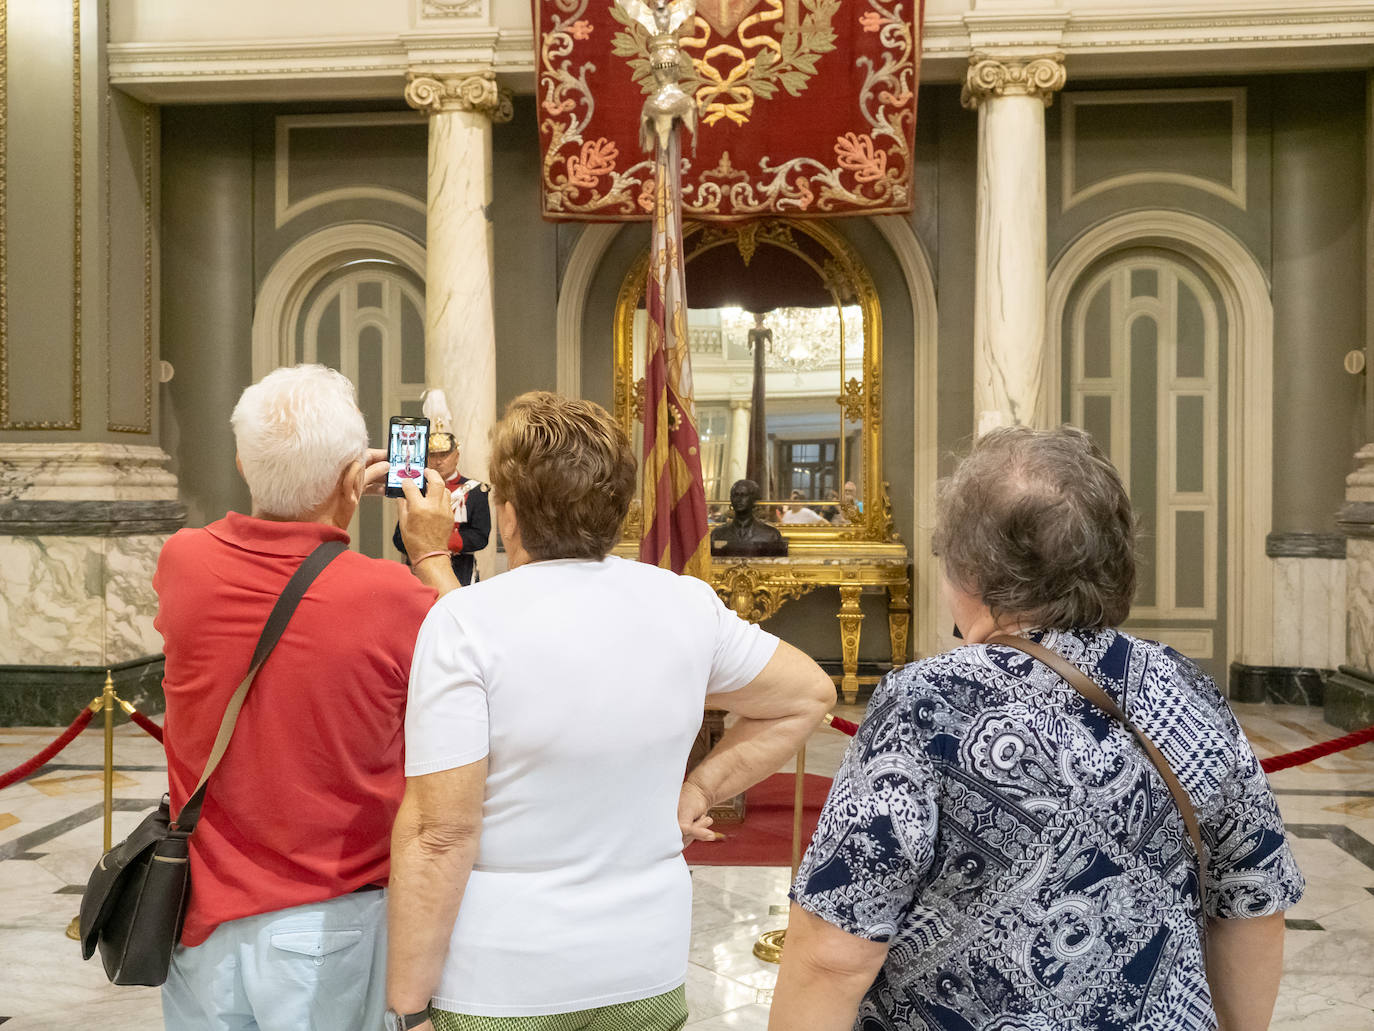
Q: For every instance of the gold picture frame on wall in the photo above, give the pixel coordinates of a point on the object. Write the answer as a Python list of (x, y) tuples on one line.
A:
[(760, 254)]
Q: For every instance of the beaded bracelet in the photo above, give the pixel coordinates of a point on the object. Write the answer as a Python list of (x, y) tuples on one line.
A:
[(429, 554)]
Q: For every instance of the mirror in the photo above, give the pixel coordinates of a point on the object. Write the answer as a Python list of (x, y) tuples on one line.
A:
[(783, 324)]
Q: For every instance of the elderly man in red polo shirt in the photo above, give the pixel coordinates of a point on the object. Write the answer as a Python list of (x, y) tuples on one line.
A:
[(286, 922)]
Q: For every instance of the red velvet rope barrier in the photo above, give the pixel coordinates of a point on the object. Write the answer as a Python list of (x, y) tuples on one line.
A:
[(42, 758), (843, 726), (1271, 765), (146, 724), (1307, 755)]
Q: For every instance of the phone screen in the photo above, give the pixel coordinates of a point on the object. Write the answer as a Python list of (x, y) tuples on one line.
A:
[(406, 454)]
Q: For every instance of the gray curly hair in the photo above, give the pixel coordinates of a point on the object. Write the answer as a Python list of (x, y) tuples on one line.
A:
[(1037, 524)]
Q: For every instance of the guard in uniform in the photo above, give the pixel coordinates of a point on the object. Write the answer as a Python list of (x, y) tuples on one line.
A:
[(471, 509)]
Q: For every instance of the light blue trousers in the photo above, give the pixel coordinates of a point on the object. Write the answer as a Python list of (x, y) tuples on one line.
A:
[(320, 967)]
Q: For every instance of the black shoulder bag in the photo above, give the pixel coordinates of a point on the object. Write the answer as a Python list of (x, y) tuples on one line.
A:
[(136, 896)]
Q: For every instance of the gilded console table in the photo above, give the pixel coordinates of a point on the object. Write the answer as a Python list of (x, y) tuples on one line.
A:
[(757, 587)]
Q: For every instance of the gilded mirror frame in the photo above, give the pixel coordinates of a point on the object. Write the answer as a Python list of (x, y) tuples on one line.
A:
[(847, 279)]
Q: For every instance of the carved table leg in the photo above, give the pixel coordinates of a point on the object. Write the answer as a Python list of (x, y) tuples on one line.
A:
[(851, 621), (899, 619)]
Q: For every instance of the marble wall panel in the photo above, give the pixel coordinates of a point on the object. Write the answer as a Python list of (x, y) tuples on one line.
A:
[(1309, 612), (1359, 571), (52, 607), (1287, 606), (130, 603), (77, 601)]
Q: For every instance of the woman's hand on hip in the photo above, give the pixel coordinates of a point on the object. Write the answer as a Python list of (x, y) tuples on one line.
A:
[(692, 807)]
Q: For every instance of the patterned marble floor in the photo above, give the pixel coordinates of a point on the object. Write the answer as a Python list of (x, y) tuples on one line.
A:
[(50, 833)]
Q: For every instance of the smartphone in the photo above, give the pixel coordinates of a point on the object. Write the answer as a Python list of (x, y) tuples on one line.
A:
[(407, 451)]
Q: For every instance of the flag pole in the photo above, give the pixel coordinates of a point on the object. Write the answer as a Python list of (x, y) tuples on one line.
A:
[(675, 534)]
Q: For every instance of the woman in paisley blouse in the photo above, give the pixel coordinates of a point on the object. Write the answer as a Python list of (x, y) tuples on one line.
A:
[(996, 853)]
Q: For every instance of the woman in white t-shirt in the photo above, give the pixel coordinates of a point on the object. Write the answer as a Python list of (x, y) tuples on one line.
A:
[(537, 866)]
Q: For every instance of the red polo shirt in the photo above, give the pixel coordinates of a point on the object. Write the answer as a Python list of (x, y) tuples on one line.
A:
[(300, 809)]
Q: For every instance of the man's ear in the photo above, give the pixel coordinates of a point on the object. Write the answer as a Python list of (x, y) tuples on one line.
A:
[(349, 489)]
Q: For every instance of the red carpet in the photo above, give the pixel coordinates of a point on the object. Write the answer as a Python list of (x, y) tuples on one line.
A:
[(765, 836)]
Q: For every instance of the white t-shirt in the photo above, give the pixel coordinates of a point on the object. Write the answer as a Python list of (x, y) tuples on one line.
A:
[(582, 681)]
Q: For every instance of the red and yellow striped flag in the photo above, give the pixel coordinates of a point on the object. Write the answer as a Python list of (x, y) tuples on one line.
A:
[(675, 534)]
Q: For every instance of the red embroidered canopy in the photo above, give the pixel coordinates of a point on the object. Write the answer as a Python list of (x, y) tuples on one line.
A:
[(807, 107)]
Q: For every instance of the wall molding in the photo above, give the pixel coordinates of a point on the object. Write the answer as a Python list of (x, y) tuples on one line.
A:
[(1305, 545), (428, 9), (302, 266), (146, 200), (932, 622), (1098, 39), (1194, 642), (90, 518), (585, 259), (285, 210), (74, 423), (1250, 394), (1233, 192), (1356, 519)]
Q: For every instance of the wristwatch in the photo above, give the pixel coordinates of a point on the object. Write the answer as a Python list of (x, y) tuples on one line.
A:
[(394, 1021)]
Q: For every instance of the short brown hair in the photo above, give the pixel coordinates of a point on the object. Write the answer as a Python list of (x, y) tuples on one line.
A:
[(568, 469), (1038, 525)]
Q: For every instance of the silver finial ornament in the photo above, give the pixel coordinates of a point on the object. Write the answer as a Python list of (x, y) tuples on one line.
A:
[(663, 20)]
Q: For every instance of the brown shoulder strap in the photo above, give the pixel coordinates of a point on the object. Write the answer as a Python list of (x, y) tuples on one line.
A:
[(281, 614), (1084, 685)]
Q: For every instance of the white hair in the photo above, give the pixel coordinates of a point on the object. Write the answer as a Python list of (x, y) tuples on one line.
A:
[(297, 429)]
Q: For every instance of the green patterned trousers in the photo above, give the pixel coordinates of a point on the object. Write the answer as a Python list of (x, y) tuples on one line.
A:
[(666, 1012)]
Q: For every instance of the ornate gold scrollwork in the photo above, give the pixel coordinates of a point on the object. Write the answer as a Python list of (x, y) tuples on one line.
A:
[(639, 399), (899, 619), (848, 280), (840, 283), (754, 593), (747, 241), (851, 402), (851, 622)]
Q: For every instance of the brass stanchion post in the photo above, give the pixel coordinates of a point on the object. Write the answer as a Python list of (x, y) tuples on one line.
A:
[(769, 946), (104, 701), (107, 704)]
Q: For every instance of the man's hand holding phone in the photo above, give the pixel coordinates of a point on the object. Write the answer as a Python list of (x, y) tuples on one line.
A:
[(374, 472), (426, 522)]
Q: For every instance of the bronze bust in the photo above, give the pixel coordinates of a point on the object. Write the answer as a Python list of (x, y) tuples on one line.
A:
[(744, 534)]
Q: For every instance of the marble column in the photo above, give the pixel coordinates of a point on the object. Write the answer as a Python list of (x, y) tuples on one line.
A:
[(460, 333), (739, 441), (1010, 96)]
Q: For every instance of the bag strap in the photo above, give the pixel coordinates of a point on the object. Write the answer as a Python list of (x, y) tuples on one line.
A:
[(281, 614), (1085, 686)]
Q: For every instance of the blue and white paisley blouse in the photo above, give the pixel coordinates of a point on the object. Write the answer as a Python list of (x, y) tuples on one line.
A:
[(1024, 858)]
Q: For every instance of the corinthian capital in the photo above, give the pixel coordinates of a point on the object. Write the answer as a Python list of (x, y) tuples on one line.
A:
[(994, 77), (459, 93)]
